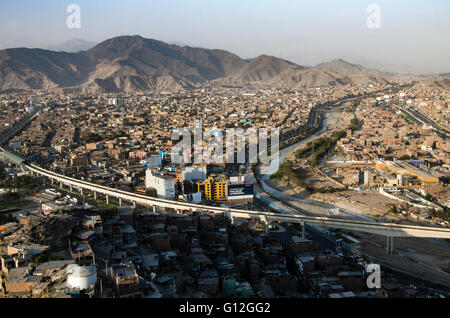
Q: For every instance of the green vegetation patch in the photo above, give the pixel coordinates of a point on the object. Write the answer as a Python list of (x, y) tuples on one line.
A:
[(286, 170), (7, 218), (23, 182), (321, 146)]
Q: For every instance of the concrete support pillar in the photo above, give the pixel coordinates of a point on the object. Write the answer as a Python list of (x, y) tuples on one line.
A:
[(134, 203), (263, 218), (81, 191), (107, 199), (61, 184), (71, 188), (120, 201), (51, 180), (387, 243), (95, 195), (303, 230), (154, 208), (390, 245)]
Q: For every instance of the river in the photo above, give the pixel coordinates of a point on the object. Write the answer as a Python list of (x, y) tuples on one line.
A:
[(282, 196)]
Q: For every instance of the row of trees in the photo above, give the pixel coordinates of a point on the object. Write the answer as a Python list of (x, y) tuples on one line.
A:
[(2, 173), (42, 258), (443, 215), (6, 218), (95, 137), (355, 124), (297, 177), (321, 146), (286, 169), (23, 182), (303, 132)]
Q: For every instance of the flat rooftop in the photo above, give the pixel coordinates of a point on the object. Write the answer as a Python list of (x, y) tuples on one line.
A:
[(124, 272), (297, 240)]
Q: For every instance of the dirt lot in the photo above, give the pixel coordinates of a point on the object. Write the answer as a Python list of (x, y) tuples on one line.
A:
[(370, 203)]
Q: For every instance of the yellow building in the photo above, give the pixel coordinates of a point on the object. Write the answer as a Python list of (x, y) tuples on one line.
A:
[(407, 169), (213, 190), (207, 188), (219, 190)]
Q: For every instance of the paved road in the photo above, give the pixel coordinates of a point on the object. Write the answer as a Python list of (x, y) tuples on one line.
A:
[(424, 275), (420, 119), (11, 132)]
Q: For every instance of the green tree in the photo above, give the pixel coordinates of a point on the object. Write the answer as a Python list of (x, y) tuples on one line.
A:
[(41, 258), (393, 209), (2, 174), (7, 218)]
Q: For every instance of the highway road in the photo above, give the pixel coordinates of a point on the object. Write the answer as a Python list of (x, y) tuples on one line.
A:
[(14, 130), (390, 230), (421, 119), (428, 120), (387, 229)]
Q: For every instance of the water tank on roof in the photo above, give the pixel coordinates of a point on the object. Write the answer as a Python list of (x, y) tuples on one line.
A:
[(81, 277)]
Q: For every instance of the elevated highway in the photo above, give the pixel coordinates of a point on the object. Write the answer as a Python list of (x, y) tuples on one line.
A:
[(386, 229)]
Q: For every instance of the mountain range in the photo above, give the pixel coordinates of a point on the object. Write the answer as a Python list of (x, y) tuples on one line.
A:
[(434, 82), (133, 63)]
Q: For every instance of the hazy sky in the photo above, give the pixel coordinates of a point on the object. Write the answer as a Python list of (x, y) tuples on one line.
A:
[(413, 32)]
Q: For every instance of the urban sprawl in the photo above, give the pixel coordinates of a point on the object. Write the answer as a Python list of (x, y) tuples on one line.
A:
[(369, 153)]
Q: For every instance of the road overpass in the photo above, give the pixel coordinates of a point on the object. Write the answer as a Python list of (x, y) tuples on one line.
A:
[(386, 229)]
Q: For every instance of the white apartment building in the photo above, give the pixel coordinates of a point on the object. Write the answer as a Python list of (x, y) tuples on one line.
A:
[(164, 184)]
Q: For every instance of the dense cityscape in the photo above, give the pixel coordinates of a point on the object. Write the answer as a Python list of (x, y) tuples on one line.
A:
[(93, 203)]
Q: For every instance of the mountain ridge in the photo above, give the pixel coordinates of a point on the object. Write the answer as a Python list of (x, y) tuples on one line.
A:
[(134, 63)]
